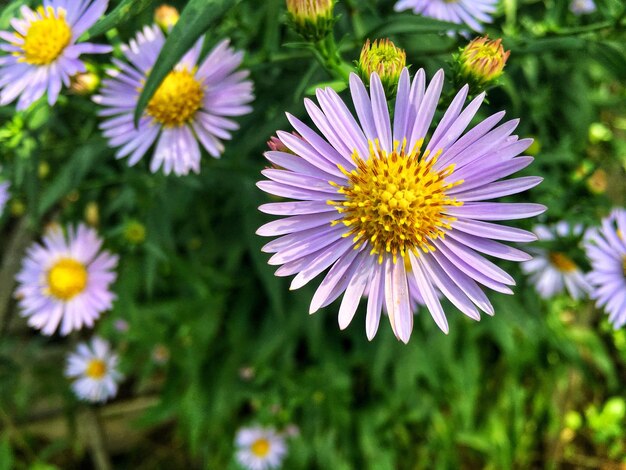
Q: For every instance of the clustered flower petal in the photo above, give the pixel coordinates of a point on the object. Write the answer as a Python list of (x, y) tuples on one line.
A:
[(606, 249), (194, 103), (377, 205), (66, 281), (43, 53), (93, 367), (553, 272), (468, 12), (260, 448)]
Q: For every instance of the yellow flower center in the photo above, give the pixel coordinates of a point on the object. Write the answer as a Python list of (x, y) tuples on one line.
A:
[(396, 201), (177, 99), (624, 264), (67, 278), (96, 369), (46, 37), (260, 447), (562, 262)]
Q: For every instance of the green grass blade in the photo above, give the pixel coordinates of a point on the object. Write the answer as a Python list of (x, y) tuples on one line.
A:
[(120, 14)]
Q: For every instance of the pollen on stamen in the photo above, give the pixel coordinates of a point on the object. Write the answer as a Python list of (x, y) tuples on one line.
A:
[(395, 200)]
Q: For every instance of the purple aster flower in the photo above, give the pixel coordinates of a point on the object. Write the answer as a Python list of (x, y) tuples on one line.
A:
[(192, 104), (554, 271), (94, 370), (4, 195), (66, 280), (372, 195), (43, 53), (468, 12), (582, 7), (606, 249)]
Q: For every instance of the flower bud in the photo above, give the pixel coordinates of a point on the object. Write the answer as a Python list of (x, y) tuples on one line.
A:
[(311, 19), (384, 58), (18, 208), (166, 16), (92, 214), (597, 183), (84, 83), (276, 145), (134, 232), (481, 62)]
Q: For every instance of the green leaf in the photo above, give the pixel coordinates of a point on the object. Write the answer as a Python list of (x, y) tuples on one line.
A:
[(6, 455), (194, 21), (72, 174), (611, 57), (120, 14), (544, 45), (412, 24), (337, 85)]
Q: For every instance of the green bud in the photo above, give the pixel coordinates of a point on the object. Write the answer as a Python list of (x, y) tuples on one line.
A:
[(311, 19), (384, 58)]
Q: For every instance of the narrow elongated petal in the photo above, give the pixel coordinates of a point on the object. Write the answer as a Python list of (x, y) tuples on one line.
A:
[(390, 216)]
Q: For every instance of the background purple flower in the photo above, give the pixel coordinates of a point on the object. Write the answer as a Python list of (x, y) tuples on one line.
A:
[(93, 367), (469, 12), (4, 195), (606, 249), (194, 103), (554, 271), (42, 52), (66, 280), (582, 7)]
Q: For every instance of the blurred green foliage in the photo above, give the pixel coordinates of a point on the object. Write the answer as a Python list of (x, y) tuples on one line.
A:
[(540, 385)]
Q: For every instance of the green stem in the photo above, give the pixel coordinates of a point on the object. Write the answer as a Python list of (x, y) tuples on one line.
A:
[(329, 56), (357, 21)]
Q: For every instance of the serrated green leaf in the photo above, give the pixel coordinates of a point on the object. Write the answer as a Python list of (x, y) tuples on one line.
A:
[(120, 14), (194, 21)]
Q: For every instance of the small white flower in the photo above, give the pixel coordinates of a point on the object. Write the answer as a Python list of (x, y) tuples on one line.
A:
[(582, 7), (552, 272), (260, 448), (94, 370)]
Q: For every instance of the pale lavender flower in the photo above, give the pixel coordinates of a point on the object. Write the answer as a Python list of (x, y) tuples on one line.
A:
[(553, 271), (582, 7), (194, 103), (606, 249), (371, 196), (469, 12), (43, 53), (4, 195), (94, 370), (260, 448), (121, 325), (66, 280)]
